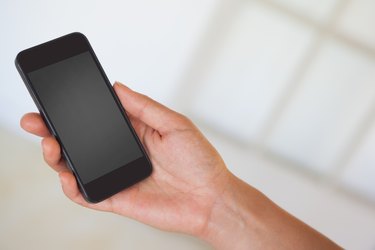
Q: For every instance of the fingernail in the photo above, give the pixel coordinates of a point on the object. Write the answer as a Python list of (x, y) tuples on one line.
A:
[(61, 179), (119, 83), (42, 144)]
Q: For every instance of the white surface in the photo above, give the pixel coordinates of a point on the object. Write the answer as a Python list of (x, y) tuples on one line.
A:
[(318, 10), (34, 213), (358, 20), (360, 172), (251, 71), (35, 210), (342, 218), (324, 115)]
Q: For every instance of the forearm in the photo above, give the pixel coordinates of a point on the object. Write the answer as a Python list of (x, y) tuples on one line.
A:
[(244, 218)]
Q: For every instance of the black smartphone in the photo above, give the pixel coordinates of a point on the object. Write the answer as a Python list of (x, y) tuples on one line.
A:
[(82, 111)]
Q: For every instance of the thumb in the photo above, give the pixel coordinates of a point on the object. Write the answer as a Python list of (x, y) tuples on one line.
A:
[(70, 188), (152, 113)]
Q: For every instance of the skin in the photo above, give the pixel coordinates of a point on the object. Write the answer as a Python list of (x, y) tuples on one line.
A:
[(190, 190)]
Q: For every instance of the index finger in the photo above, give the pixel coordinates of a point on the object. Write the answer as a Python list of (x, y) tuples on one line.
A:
[(152, 113), (34, 124)]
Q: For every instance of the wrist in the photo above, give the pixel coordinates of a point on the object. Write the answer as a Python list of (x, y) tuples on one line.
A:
[(244, 218), (230, 220)]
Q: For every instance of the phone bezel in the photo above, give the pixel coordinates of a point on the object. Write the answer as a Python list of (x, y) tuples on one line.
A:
[(57, 50)]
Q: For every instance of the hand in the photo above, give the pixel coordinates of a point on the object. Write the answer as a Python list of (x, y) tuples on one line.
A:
[(188, 173), (190, 189)]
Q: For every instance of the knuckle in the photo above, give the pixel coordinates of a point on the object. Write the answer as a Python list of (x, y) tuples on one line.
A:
[(186, 121)]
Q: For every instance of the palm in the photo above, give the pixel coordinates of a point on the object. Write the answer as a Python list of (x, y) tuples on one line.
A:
[(177, 191)]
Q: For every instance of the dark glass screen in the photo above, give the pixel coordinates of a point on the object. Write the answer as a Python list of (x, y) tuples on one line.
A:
[(85, 116)]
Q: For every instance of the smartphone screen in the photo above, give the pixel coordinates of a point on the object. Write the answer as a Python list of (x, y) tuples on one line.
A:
[(81, 109)]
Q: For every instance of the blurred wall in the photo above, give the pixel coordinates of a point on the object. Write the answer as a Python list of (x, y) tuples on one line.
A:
[(284, 88)]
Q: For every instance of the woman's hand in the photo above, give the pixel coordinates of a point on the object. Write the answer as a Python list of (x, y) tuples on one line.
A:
[(190, 189)]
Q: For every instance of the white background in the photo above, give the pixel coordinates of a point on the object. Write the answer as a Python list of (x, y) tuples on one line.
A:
[(285, 90)]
